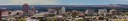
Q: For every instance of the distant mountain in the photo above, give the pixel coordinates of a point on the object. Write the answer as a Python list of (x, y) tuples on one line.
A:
[(110, 5), (70, 7)]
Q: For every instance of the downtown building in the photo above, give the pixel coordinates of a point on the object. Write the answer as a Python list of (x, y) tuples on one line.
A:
[(25, 8), (102, 11), (113, 11), (26, 11), (62, 11), (89, 11), (4, 12), (51, 11)]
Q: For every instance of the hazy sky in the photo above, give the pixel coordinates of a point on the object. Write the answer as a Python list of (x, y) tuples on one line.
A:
[(62, 2)]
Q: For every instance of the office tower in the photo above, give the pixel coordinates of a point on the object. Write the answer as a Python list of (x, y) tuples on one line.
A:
[(89, 11), (63, 10), (113, 11), (102, 11), (26, 11), (25, 8)]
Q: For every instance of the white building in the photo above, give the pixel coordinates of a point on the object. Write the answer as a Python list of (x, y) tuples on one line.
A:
[(62, 11), (102, 11), (89, 11), (113, 11)]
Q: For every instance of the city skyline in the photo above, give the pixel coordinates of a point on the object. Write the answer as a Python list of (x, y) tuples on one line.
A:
[(30, 12), (62, 2)]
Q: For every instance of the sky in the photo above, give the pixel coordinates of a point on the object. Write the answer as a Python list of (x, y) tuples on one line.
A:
[(62, 2)]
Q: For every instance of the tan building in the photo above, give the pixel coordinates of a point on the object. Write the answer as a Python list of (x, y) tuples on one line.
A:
[(113, 11), (102, 11)]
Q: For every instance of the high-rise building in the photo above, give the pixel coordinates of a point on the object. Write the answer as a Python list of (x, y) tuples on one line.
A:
[(63, 10), (26, 11), (25, 8), (113, 11), (102, 11)]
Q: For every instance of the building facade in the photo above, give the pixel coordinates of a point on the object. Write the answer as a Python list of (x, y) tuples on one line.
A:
[(25, 8), (102, 11)]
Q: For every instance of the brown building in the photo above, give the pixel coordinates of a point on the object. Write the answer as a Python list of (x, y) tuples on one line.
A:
[(25, 8)]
